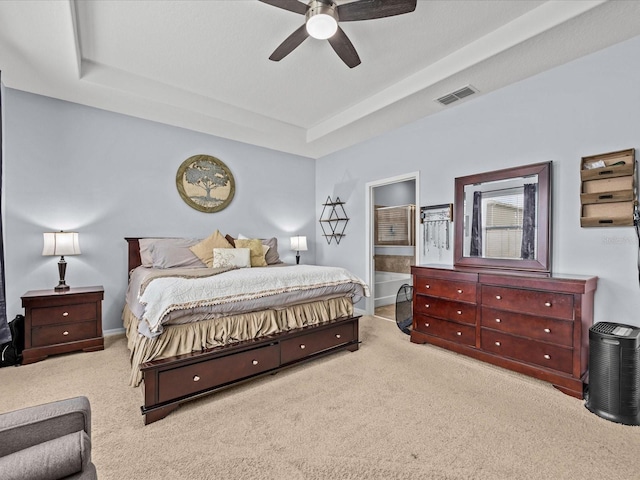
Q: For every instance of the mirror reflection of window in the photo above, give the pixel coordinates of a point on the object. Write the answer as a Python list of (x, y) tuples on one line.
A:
[(502, 220), (502, 229)]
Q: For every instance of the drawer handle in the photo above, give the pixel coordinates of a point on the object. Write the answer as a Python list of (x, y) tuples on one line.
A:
[(547, 304), (427, 305), (196, 378), (548, 357), (303, 346), (255, 362), (427, 286), (459, 312), (65, 333), (497, 344), (547, 330), (498, 320), (459, 290), (65, 314), (338, 335), (498, 297), (459, 333)]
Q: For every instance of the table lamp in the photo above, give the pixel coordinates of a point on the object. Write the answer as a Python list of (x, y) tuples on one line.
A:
[(61, 243), (298, 243)]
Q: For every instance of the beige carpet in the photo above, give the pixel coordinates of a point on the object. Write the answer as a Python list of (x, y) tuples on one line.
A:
[(392, 410)]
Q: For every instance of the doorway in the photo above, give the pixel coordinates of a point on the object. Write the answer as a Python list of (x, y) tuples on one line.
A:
[(393, 214)]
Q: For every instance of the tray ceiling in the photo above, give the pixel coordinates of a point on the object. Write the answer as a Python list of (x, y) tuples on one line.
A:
[(203, 65)]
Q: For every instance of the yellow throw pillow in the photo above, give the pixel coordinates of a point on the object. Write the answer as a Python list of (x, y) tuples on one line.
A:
[(257, 252), (204, 249)]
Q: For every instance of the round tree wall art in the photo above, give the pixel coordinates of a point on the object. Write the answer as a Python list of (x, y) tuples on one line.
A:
[(205, 183)]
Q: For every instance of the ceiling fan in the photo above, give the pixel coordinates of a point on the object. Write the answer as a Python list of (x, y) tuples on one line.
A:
[(322, 17)]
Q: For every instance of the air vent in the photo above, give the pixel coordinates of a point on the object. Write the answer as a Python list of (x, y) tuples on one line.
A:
[(457, 95)]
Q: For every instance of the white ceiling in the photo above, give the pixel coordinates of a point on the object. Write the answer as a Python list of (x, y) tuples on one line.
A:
[(203, 65)]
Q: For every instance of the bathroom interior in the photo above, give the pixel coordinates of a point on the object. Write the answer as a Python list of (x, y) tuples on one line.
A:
[(394, 243)]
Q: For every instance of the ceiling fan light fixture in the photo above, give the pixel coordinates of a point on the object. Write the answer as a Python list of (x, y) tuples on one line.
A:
[(322, 19)]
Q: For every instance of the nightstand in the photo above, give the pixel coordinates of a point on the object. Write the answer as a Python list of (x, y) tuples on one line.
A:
[(62, 322)]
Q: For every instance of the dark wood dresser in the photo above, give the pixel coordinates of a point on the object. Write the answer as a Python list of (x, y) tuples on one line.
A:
[(62, 322), (531, 323)]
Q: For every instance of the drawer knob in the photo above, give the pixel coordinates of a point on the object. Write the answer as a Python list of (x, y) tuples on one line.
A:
[(547, 330), (65, 314), (426, 325), (497, 344), (427, 286), (459, 333), (547, 304), (196, 378), (548, 357), (459, 312), (498, 320), (65, 333), (338, 335), (459, 290), (303, 346), (498, 297), (255, 362), (427, 305)]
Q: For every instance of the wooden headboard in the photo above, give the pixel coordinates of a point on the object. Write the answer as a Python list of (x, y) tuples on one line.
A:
[(134, 253)]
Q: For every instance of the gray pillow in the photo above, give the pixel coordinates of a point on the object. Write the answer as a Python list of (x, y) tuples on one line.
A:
[(174, 253), (272, 257)]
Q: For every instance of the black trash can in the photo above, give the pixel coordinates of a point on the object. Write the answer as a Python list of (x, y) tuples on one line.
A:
[(614, 372)]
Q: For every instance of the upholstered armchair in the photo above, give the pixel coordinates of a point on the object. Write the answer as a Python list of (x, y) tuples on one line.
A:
[(49, 441)]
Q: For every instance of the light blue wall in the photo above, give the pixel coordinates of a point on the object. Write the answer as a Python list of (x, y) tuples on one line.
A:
[(587, 107), (110, 176)]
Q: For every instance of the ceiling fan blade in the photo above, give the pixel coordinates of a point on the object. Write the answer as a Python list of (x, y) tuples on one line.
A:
[(290, 43), (344, 48), (370, 9), (290, 5)]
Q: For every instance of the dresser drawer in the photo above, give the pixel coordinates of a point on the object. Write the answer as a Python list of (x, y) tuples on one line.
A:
[(216, 372), (548, 330), (447, 309), (79, 312), (452, 289), (538, 353), (534, 302), (62, 333), (454, 332)]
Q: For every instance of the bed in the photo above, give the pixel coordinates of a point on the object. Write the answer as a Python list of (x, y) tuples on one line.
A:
[(186, 342)]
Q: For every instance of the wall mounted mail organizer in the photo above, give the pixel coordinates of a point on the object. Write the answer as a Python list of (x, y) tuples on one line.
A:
[(608, 195)]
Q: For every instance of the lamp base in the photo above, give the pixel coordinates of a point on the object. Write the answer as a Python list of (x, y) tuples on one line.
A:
[(62, 268), (297, 259)]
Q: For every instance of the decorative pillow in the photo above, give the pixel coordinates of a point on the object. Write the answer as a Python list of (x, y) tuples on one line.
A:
[(231, 257), (204, 249), (272, 257), (172, 253), (257, 252)]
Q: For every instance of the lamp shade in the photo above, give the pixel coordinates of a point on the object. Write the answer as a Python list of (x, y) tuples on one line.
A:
[(299, 243), (61, 243)]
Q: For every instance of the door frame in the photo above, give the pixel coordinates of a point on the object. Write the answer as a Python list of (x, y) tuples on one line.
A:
[(370, 224)]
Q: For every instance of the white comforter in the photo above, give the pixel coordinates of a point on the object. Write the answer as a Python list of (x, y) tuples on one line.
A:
[(166, 294)]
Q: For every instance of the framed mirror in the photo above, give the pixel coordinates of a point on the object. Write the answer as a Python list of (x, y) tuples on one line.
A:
[(502, 219)]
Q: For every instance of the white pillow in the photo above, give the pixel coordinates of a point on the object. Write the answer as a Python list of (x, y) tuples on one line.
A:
[(231, 257)]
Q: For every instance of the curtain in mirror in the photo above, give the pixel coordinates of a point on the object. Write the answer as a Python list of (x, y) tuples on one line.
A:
[(476, 226), (528, 251)]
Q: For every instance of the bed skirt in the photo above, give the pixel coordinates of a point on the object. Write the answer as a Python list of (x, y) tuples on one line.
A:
[(193, 337)]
